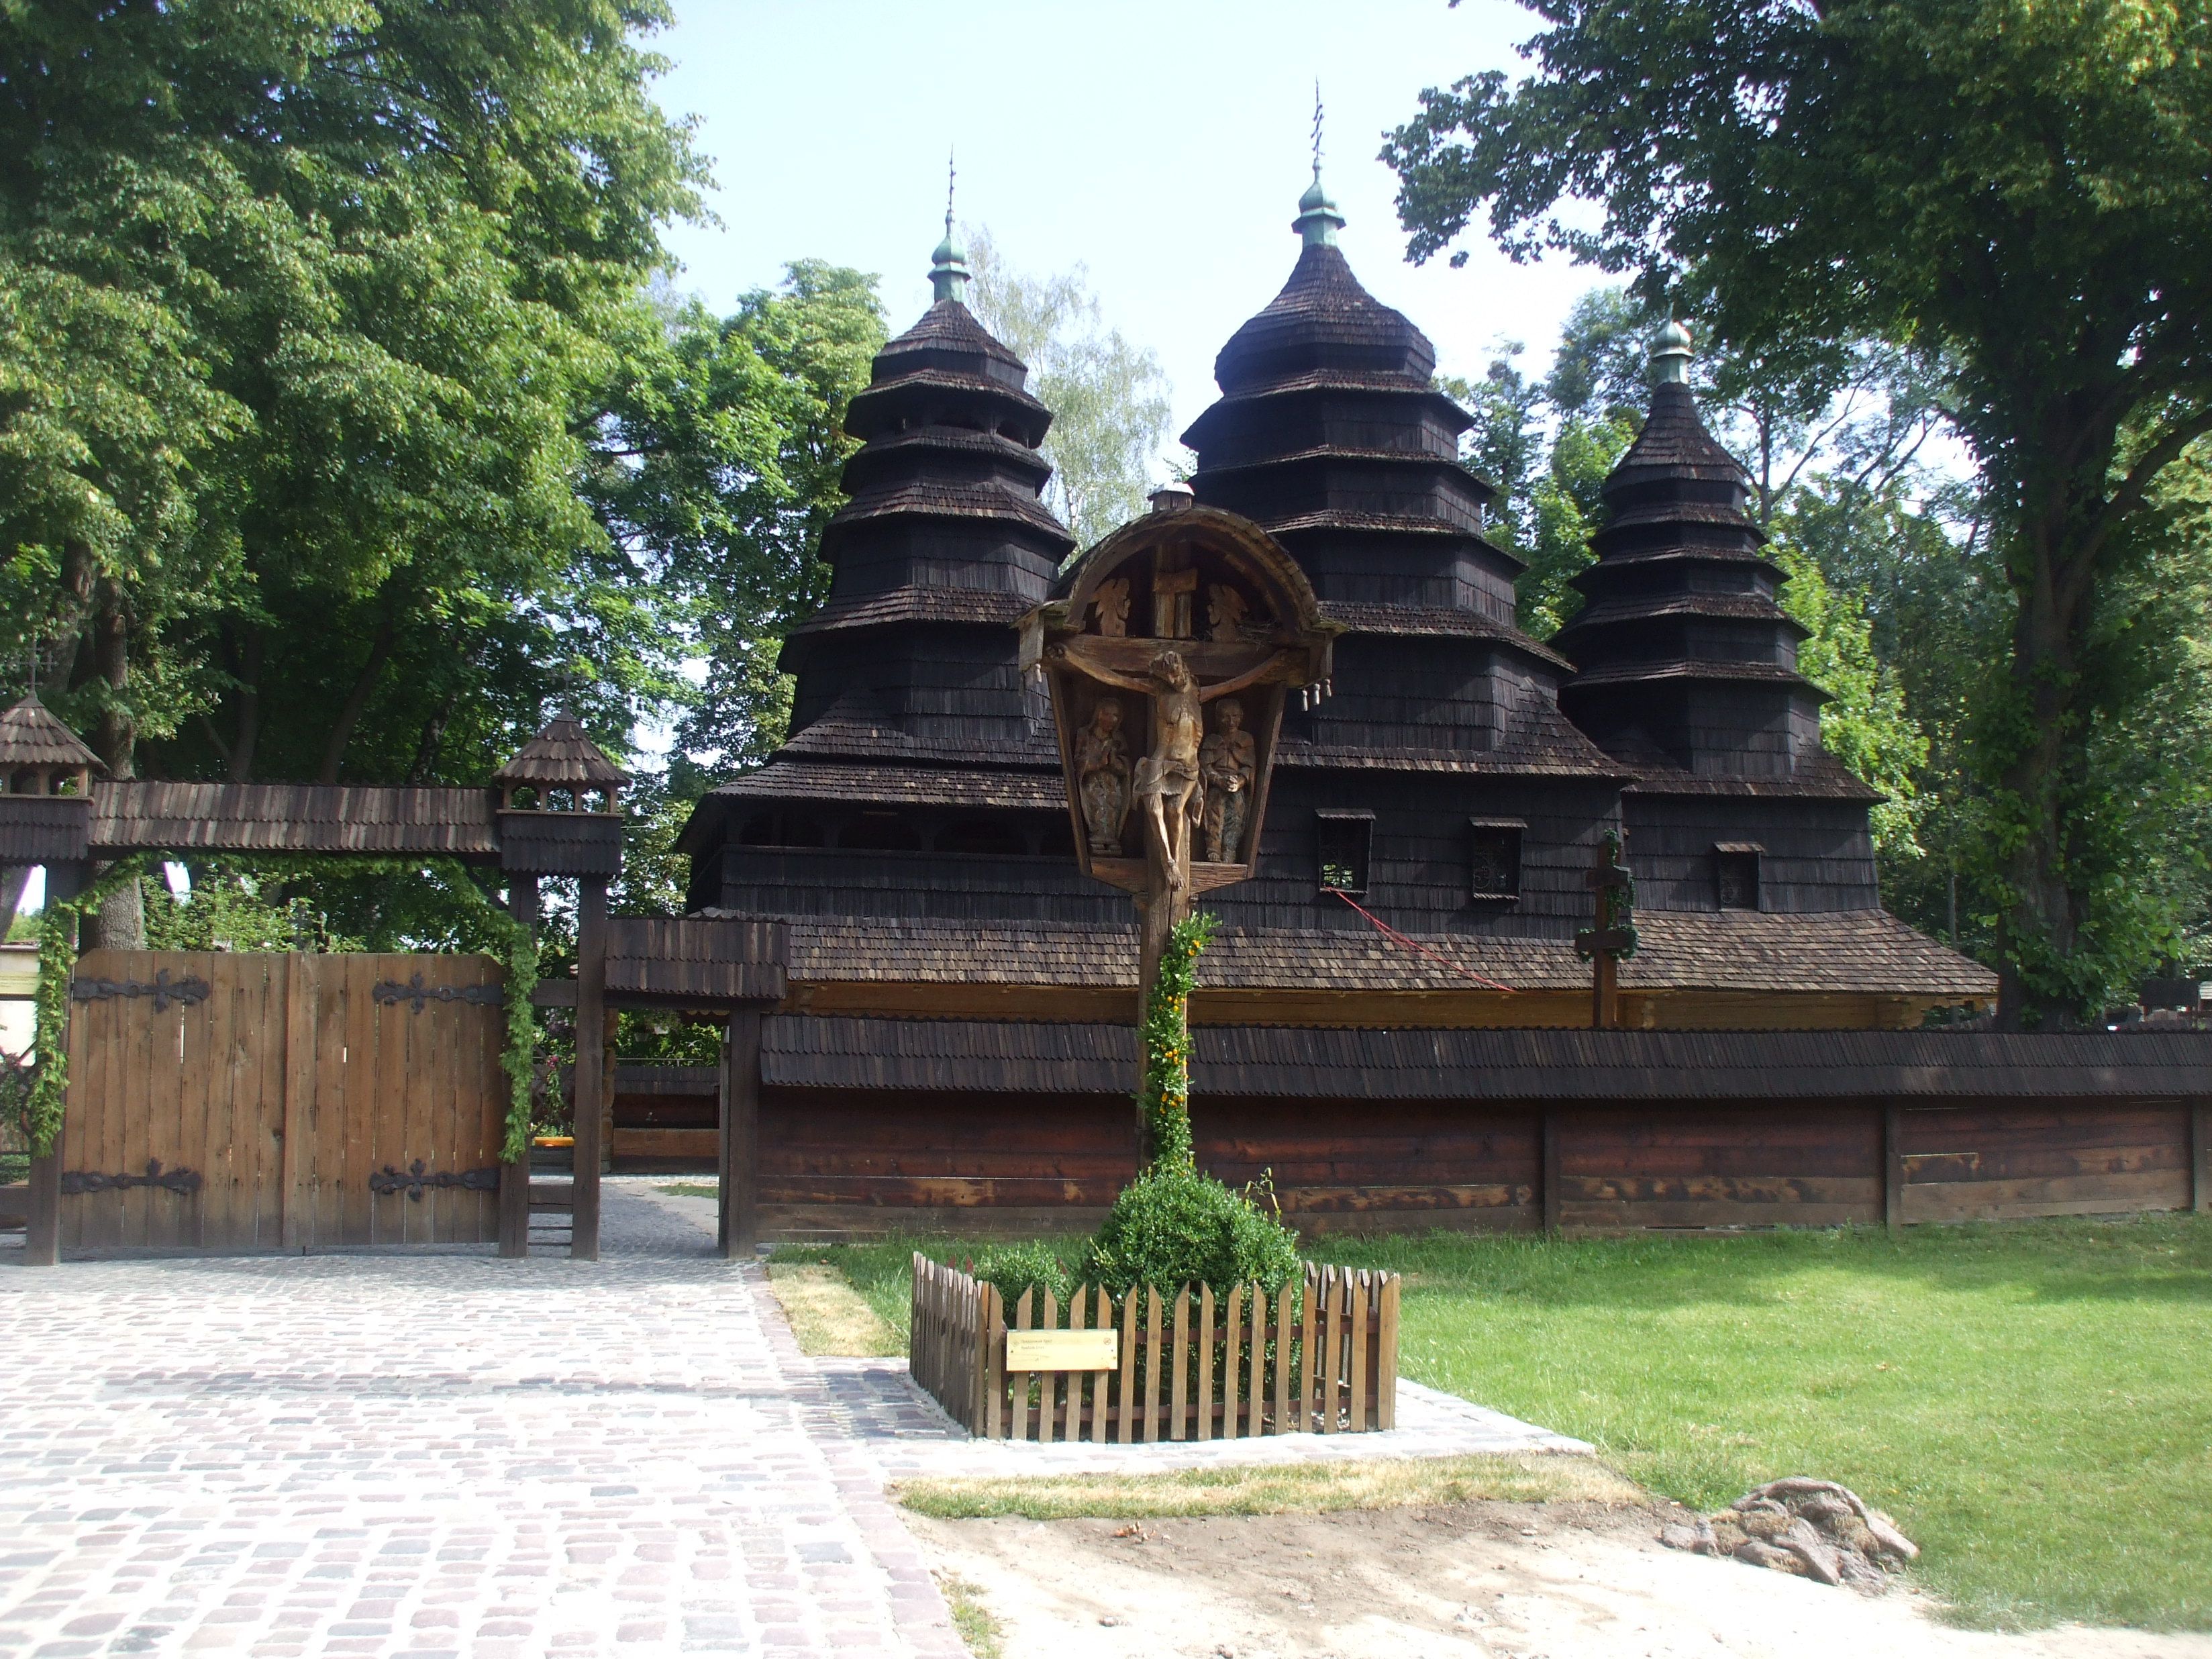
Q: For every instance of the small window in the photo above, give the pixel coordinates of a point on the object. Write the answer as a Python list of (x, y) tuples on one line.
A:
[(880, 832), (1344, 839), (1735, 875), (982, 836), (1494, 867)]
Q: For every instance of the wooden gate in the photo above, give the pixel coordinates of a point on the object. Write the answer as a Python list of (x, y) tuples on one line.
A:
[(227, 1101)]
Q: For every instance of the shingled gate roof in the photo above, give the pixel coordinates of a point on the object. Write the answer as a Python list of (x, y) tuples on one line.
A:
[(561, 756), (30, 735)]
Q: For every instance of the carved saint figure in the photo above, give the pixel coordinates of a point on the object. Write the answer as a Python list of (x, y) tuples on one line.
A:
[(1228, 763), (1166, 782), (1101, 771), (1111, 602), (1225, 613)]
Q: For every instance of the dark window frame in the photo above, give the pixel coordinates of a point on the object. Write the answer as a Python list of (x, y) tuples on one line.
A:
[(1739, 870), (1517, 831), (1354, 833)]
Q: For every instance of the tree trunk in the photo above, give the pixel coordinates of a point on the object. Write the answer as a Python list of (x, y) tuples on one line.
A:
[(121, 924), (2038, 927), (247, 667), (364, 684)]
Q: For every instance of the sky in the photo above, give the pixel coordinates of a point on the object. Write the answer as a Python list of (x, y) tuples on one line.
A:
[(1163, 146)]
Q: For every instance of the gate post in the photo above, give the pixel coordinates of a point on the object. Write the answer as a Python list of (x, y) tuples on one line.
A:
[(514, 1178), (42, 1232), (740, 1183), (590, 1063)]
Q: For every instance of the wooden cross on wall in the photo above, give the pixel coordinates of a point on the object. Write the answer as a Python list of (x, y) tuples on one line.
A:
[(1611, 939)]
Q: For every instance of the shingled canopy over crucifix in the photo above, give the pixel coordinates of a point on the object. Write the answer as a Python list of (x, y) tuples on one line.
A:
[(1169, 647)]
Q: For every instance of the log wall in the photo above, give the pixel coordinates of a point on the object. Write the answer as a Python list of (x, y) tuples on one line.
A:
[(838, 1163)]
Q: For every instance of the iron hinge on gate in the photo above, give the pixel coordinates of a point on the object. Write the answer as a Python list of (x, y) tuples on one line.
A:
[(417, 1176), (161, 988), (415, 991)]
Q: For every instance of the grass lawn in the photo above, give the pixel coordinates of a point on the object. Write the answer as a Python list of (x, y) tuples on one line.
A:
[(2033, 1401)]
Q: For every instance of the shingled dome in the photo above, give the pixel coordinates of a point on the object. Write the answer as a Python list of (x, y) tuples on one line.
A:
[(560, 757), (35, 746), (1684, 658)]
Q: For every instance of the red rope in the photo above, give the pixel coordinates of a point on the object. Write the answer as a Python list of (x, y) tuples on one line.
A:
[(1397, 938)]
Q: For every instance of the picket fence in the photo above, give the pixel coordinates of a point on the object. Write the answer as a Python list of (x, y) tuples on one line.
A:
[(1320, 1356)]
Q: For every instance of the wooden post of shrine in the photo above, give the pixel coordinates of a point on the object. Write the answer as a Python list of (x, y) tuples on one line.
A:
[(1612, 936)]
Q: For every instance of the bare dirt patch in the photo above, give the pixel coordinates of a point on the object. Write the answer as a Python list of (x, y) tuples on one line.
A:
[(1574, 1580)]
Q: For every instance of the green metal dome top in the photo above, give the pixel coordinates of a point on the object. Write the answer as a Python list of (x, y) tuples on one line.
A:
[(1318, 220), (1671, 353)]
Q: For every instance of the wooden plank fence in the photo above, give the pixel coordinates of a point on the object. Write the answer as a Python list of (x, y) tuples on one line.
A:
[(1320, 1356)]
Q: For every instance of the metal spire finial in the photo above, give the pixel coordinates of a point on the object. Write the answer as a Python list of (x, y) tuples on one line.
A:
[(1318, 220), (948, 270)]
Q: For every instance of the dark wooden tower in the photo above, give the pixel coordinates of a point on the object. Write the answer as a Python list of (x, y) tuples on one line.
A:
[(1439, 783), (912, 730), (1686, 672)]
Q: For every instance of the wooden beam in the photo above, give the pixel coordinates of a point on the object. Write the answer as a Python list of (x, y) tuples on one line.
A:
[(301, 985), (590, 1063), (1549, 1186), (1893, 1165), (740, 1182), (2200, 1162)]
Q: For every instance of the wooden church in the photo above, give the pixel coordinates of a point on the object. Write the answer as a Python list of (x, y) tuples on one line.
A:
[(1425, 855)]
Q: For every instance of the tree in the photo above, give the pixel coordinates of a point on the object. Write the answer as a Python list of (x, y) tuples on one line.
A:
[(1108, 398), (358, 280), (2014, 190), (757, 571)]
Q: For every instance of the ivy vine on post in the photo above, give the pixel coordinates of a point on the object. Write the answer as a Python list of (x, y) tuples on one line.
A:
[(1164, 1095), (511, 942)]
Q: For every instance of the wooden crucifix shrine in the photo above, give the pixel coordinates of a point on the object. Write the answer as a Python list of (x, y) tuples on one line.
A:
[(1611, 937), (1169, 649)]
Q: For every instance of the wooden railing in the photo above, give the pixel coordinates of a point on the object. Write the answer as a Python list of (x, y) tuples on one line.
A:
[(1320, 1356)]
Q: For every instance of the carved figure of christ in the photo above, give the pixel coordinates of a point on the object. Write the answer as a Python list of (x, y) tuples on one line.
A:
[(1167, 779)]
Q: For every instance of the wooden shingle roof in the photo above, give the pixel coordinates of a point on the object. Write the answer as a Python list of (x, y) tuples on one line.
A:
[(804, 1051), (30, 735), (1864, 951), (561, 756)]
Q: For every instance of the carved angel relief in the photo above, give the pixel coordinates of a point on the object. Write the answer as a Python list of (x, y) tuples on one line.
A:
[(1111, 606)]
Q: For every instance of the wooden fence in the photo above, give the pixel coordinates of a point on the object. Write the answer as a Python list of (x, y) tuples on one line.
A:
[(1321, 1357)]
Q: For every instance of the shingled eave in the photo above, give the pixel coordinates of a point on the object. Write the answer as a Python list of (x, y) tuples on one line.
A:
[(1320, 383)]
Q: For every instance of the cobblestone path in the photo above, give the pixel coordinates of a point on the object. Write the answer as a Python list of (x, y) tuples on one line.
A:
[(437, 1454)]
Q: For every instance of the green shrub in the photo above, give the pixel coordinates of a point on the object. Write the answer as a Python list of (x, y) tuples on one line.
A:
[(1172, 1226), (1017, 1268)]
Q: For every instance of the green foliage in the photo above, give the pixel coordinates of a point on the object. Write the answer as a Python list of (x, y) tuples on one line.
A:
[(1163, 1089), (1015, 1268), (232, 909), (754, 570), (1109, 397), (1866, 724), (1974, 194), (321, 307), (1172, 1226)]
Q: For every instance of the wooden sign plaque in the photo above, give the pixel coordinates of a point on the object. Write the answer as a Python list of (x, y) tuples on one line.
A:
[(1063, 1351)]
